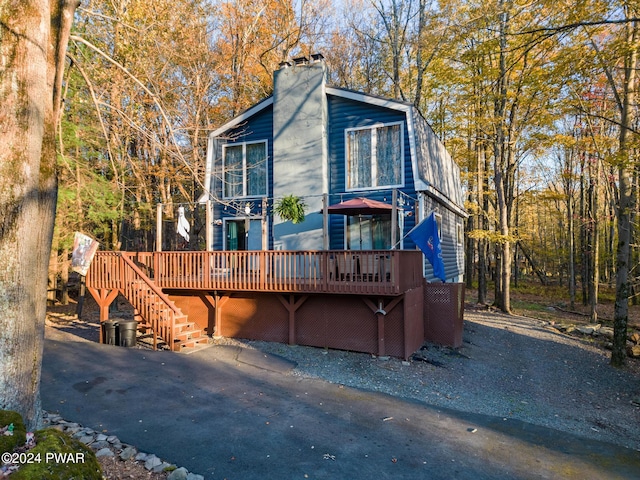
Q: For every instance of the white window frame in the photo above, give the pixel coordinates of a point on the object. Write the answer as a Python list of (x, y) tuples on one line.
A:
[(374, 164), (438, 217), (459, 233), (244, 168)]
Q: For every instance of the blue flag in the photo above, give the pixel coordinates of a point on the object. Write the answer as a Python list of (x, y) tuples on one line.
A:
[(425, 236)]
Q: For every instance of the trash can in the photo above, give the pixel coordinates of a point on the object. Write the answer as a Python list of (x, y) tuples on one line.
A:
[(109, 335), (127, 332)]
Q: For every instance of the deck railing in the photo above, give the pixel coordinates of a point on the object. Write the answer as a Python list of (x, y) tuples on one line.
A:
[(370, 272)]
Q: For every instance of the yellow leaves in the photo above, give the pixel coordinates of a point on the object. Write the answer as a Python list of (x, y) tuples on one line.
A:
[(254, 37), (492, 236)]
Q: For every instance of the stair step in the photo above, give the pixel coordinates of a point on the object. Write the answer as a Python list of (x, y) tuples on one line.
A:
[(188, 334), (188, 346), (181, 327)]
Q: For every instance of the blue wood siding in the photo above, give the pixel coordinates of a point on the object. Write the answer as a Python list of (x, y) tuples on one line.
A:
[(257, 128), (452, 250), (345, 114)]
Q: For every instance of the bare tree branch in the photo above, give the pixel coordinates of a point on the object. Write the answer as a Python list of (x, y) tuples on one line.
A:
[(153, 96), (573, 26)]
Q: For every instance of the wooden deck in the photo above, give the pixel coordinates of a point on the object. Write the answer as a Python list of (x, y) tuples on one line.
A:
[(375, 272), (338, 299)]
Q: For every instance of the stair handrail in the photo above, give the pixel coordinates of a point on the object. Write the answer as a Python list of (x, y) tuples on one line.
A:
[(160, 294), (151, 284)]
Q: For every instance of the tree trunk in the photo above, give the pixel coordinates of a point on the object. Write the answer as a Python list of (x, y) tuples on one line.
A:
[(482, 271), (501, 153), (34, 38), (483, 247), (64, 276), (572, 269), (595, 240), (621, 313), (611, 243), (632, 222), (471, 243)]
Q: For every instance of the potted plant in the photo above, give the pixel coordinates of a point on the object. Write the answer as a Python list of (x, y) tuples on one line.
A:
[(291, 208)]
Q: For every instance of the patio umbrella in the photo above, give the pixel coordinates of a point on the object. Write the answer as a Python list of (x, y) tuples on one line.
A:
[(360, 206)]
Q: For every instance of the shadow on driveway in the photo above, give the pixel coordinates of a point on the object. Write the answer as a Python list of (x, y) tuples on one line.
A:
[(226, 412)]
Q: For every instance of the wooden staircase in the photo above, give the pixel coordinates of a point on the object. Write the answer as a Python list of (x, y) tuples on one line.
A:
[(167, 325)]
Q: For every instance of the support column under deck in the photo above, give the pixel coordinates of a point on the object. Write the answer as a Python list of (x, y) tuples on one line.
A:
[(381, 311), (218, 302), (103, 297), (292, 305)]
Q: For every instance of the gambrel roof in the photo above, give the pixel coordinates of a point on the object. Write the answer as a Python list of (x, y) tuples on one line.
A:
[(434, 171)]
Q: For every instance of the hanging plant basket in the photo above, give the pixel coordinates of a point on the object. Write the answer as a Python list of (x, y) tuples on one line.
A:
[(291, 208)]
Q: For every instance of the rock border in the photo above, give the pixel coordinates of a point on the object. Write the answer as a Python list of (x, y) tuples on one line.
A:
[(111, 446)]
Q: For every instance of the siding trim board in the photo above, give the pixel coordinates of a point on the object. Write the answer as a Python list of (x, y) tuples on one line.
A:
[(246, 115)]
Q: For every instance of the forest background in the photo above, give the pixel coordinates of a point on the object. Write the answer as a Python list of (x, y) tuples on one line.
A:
[(535, 100)]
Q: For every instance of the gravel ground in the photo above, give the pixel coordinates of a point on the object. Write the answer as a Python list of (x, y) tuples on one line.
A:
[(508, 366)]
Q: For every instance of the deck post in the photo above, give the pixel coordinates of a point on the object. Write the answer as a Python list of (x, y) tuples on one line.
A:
[(325, 221), (159, 227), (265, 226), (292, 305), (292, 320), (103, 298), (381, 310), (380, 314), (157, 276), (208, 228), (218, 316), (380, 317), (394, 218), (263, 270), (218, 302)]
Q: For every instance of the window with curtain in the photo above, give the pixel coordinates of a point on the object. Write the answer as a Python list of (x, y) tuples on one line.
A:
[(245, 169), (359, 152), (374, 156), (233, 171)]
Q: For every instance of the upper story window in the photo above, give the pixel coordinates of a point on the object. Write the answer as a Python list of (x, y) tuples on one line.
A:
[(374, 156), (245, 169)]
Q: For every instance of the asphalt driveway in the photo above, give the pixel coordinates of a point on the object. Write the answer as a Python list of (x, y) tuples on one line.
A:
[(228, 412)]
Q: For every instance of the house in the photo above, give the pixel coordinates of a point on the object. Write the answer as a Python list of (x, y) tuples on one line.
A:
[(347, 277), (326, 145)]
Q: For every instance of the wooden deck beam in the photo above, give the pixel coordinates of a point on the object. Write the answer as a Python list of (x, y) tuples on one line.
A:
[(103, 297), (381, 310), (292, 305)]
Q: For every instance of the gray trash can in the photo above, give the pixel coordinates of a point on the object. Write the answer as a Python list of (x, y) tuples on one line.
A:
[(127, 330), (109, 332)]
